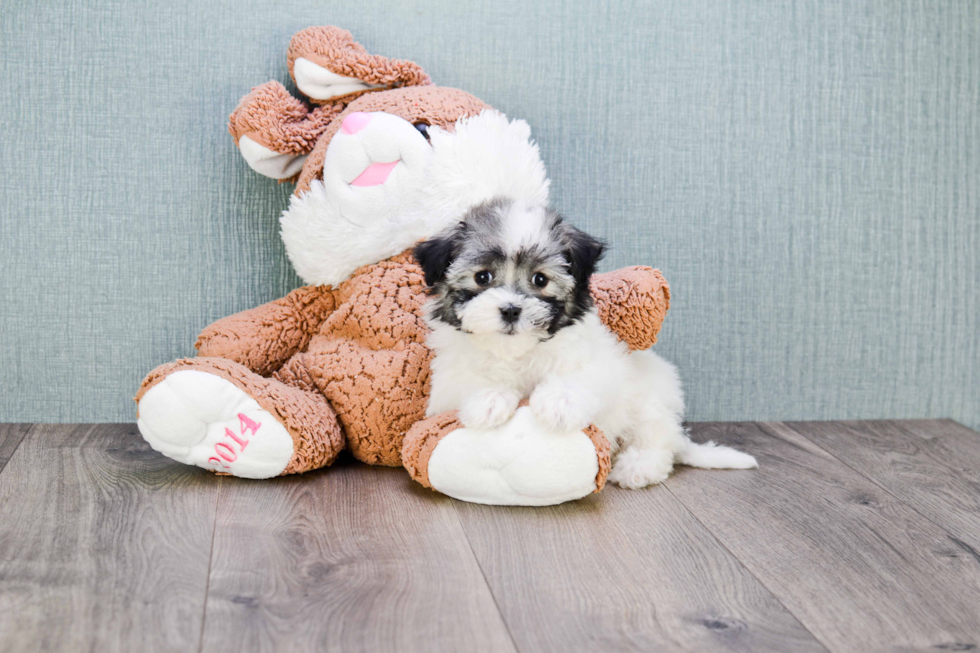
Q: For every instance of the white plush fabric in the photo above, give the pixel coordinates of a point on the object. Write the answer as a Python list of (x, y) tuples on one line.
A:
[(188, 417), (518, 464), (321, 84), (335, 228), (266, 162)]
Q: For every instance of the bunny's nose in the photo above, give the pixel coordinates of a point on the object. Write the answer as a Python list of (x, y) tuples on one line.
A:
[(355, 122)]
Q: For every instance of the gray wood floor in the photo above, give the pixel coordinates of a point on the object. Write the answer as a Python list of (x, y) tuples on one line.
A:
[(852, 536)]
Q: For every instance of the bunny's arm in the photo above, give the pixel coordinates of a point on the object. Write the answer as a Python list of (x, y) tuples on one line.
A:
[(263, 338), (632, 302)]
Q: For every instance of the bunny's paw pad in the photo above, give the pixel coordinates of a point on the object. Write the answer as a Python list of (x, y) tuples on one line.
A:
[(201, 419)]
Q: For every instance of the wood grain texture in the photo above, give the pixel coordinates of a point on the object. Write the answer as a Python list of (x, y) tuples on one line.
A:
[(10, 437), (932, 465), (104, 544), (623, 571), (860, 569), (350, 558)]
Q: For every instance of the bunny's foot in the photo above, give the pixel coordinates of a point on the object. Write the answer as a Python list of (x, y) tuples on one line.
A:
[(515, 464)]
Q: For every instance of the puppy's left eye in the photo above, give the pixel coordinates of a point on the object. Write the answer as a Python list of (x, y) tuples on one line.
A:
[(539, 280)]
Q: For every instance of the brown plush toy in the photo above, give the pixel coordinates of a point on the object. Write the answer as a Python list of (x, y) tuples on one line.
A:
[(382, 160)]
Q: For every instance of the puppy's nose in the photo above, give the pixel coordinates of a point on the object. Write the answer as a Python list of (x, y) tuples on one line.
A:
[(510, 313), (355, 122)]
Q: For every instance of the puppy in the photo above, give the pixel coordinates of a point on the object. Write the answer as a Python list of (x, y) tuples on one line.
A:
[(512, 318)]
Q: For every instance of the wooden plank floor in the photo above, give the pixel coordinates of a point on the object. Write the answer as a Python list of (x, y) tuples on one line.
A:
[(852, 536)]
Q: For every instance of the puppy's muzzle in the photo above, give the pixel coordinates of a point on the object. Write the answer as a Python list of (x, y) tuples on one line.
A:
[(510, 313)]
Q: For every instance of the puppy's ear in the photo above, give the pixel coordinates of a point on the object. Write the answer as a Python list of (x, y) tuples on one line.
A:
[(583, 252), (435, 255)]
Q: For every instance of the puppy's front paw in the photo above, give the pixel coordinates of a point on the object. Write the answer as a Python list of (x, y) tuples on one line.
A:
[(488, 409), (636, 468), (561, 407)]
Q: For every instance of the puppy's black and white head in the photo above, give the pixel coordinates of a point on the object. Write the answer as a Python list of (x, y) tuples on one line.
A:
[(509, 268)]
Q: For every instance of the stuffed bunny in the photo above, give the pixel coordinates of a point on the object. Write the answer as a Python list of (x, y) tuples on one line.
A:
[(382, 160)]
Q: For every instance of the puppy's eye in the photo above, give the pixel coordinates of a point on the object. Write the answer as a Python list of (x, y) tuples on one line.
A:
[(483, 277), (539, 280), (423, 129)]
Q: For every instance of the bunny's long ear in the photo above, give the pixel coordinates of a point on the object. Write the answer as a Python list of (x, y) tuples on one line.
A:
[(329, 66), (275, 132)]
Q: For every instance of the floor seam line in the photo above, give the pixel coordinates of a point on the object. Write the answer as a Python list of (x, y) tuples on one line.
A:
[(29, 430), (748, 570), (873, 481), (207, 582), (483, 575)]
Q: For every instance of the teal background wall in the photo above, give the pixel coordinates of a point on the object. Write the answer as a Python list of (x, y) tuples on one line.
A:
[(805, 172)]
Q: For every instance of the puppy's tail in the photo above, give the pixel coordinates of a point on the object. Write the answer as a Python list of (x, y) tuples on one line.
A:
[(715, 456)]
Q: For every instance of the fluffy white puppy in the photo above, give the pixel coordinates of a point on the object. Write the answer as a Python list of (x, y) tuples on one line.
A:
[(512, 318)]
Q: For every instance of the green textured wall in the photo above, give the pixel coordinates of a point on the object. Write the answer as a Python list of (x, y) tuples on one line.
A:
[(806, 174)]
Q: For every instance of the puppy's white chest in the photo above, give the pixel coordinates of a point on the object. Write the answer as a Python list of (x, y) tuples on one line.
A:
[(524, 373)]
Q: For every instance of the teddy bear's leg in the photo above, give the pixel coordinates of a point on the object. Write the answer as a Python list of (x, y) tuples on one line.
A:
[(219, 415), (275, 132), (378, 394), (515, 464)]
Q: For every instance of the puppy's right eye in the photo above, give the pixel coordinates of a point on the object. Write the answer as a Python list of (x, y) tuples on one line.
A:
[(483, 277)]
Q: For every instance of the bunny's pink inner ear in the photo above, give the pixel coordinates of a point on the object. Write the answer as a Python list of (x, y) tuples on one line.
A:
[(329, 66)]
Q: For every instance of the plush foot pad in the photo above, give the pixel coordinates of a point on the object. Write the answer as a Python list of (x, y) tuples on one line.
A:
[(202, 419), (517, 464)]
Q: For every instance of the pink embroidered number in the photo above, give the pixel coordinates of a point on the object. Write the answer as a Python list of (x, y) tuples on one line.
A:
[(231, 434), (225, 449), (231, 456)]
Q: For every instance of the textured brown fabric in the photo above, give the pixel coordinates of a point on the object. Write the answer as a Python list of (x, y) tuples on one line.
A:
[(308, 418), (421, 441), (263, 338), (335, 49), (633, 303), (602, 449), (273, 118), (381, 304), (370, 358), (433, 105)]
